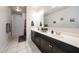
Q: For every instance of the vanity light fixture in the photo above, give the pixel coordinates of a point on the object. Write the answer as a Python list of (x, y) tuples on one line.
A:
[(53, 6)]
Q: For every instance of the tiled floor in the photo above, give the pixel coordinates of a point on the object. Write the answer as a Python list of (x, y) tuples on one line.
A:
[(21, 47)]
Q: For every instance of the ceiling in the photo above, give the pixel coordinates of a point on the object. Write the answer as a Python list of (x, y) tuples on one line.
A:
[(18, 9), (45, 8), (37, 8), (34, 8)]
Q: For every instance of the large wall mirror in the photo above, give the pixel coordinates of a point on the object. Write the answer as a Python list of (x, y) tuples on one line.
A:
[(63, 18)]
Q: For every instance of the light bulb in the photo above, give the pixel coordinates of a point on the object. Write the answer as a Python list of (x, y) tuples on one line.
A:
[(18, 9)]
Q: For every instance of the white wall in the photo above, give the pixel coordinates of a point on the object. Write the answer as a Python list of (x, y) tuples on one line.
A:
[(28, 23), (67, 14), (5, 17), (18, 25)]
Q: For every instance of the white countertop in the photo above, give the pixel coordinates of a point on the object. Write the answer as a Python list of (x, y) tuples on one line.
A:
[(72, 40)]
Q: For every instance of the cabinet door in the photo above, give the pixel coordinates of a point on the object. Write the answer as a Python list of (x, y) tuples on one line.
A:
[(66, 47), (32, 35), (46, 47), (57, 50), (37, 42), (58, 47)]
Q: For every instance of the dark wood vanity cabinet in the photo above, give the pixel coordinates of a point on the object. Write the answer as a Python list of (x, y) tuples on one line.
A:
[(50, 45), (44, 45)]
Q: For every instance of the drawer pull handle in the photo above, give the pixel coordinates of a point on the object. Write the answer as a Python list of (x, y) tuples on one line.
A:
[(50, 46)]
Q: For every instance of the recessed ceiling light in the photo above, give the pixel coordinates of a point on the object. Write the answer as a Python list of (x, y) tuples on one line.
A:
[(18, 9), (53, 6)]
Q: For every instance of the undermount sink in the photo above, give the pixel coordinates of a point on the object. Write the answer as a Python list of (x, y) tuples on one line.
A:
[(58, 34)]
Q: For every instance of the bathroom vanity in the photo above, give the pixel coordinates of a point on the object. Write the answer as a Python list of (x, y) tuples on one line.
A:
[(62, 34), (53, 43)]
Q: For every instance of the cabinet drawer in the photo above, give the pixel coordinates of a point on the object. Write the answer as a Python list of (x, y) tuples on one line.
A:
[(37, 42), (46, 38), (66, 47), (57, 50), (46, 46)]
